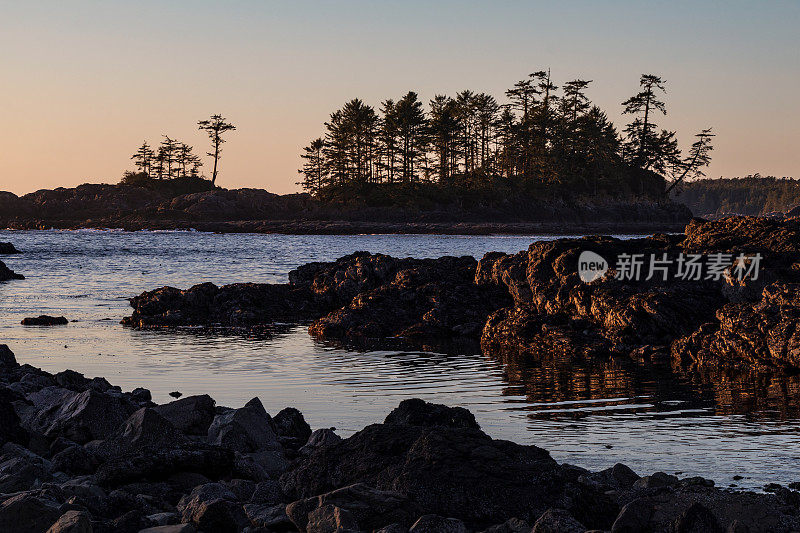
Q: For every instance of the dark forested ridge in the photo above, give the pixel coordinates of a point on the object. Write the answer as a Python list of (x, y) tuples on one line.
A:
[(543, 141), (751, 195)]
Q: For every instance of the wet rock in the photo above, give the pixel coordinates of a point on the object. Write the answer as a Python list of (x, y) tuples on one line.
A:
[(248, 429), (437, 524), (370, 508), (330, 519), (416, 412), (191, 415), (142, 395), (557, 521), (659, 479), (72, 522), (45, 320), (27, 513), (289, 422), (7, 248), (8, 274)]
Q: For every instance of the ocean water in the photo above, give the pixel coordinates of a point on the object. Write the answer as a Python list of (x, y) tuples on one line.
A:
[(591, 416)]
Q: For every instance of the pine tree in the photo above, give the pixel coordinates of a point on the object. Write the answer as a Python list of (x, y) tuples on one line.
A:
[(216, 127)]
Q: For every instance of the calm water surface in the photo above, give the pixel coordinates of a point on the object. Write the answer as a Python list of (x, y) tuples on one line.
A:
[(590, 416)]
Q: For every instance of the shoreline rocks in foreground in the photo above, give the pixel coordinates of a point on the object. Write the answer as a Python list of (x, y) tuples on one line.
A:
[(79, 454), (7, 248), (533, 304)]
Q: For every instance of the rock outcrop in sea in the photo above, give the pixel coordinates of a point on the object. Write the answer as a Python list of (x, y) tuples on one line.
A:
[(79, 454), (8, 274), (534, 304)]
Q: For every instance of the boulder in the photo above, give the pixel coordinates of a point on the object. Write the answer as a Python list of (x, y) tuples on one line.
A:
[(80, 417), (45, 320), (330, 519), (454, 472), (72, 522), (28, 513), (269, 516), (144, 428), (370, 508), (320, 438), (290, 423), (557, 521), (212, 507), (416, 412), (248, 429), (191, 415), (7, 359), (267, 493)]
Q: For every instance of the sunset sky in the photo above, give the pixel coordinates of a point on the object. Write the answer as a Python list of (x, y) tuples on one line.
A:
[(84, 83)]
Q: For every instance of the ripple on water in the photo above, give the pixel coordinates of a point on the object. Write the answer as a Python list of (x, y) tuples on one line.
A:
[(593, 416)]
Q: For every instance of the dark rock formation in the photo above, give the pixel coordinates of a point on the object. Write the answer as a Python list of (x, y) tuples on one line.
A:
[(80, 455), (7, 248), (45, 320), (8, 274)]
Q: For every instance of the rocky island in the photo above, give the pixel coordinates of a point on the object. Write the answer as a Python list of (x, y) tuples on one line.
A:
[(534, 303), (79, 454)]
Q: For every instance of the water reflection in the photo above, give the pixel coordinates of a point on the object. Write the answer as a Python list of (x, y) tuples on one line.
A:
[(592, 413)]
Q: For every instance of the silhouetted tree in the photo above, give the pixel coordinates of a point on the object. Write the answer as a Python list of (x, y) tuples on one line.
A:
[(216, 126), (313, 171), (143, 158)]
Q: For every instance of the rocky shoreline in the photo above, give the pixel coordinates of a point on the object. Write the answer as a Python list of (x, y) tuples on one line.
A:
[(534, 305), (258, 211), (81, 455)]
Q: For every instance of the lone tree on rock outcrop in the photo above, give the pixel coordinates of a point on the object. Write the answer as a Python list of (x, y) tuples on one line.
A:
[(215, 127)]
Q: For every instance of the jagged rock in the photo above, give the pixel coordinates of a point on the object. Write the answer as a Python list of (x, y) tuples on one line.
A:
[(397, 528), (458, 472), (557, 521), (431, 523), (8, 274), (142, 395), (330, 519), (7, 248), (242, 488), (144, 428), (10, 428), (80, 417), (370, 508), (416, 412), (191, 415), (289, 422), (45, 320), (248, 429), (27, 513), (72, 522), (320, 438)]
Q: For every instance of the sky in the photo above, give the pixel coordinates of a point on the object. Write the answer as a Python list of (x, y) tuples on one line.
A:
[(85, 82)]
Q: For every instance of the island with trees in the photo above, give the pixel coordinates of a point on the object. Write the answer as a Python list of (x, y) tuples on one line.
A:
[(542, 159)]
